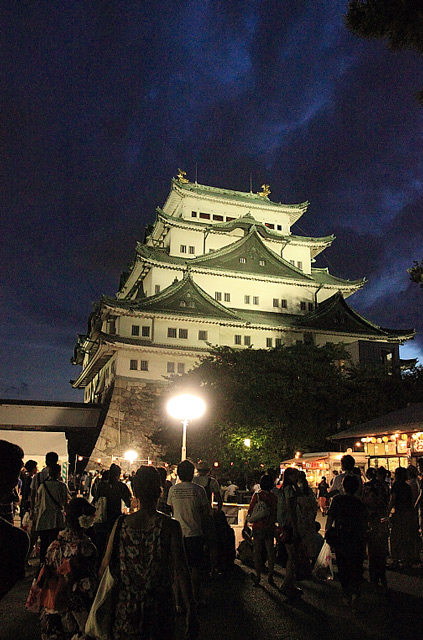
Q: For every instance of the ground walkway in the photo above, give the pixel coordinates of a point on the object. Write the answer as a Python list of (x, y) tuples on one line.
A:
[(236, 609)]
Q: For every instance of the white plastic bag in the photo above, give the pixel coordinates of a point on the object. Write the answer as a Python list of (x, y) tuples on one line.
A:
[(323, 566)]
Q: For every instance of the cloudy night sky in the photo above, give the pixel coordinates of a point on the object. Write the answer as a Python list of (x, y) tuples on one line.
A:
[(102, 101)]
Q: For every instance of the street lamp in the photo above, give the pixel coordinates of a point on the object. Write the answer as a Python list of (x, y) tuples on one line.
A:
[(131, 456), (185, 407)]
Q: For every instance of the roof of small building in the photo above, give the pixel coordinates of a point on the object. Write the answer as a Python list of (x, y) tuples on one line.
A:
[(404, 420)]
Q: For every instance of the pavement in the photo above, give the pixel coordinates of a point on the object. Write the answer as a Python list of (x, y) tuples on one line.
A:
[(234, 607)]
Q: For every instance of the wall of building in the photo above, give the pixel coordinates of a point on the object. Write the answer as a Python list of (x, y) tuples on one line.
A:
[(134, 415)]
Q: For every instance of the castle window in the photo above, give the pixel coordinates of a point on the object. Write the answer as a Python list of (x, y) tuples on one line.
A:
[(202, 335), (269, 225), (284, 304), (144, 365), (205, 216), (171, 365), (181, 367), (182, 303), (135, 330), (191, 250), (227, 297), (157, 288), (247, 341), (278, 342), (183, 248), (246, 299), (218, 218), (242, 260), (191, 304), (279, 227), (193, 214), (133, 365), (262, 263), (292, 262), (218, 295), (228, 219), (299, 264), (255, 300), (112, 327), (145, 332), (171, 332), (310, 306), (276, 302), (303, 305), (238, 339), (183, 333), (269, 342)]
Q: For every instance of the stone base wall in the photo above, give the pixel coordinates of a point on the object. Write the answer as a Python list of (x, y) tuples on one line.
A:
[(132, 417)]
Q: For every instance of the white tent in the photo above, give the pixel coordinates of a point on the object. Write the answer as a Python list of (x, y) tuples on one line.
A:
[(36, 444)]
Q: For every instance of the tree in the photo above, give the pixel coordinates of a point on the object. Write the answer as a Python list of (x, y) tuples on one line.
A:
[(400, 22), (416, 273), (282, 400)]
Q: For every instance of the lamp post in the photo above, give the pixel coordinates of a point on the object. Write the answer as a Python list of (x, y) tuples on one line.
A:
[(131, 456), (185, 408)]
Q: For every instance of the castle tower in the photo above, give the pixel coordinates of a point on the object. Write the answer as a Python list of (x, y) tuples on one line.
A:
[(217, 267)]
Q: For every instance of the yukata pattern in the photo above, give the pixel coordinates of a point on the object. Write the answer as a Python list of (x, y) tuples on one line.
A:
[(144, 597), (81, 553)]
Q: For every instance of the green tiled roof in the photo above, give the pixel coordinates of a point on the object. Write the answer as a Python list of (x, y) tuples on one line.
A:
[(244, 222), (229, 194), (334, 314), (324, 277), (253, 250), (250, 248), (183, 297)]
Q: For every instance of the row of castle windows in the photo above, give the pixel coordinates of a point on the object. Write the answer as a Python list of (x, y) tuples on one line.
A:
[(219, 218), (142, 365)]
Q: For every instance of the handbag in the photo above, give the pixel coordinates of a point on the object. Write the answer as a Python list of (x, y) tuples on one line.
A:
[(100, 619), (260, 511), (100, 510)]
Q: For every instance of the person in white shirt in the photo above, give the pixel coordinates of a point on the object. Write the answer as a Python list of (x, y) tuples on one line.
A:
[(347, 465), (210, 485), (192, 509)]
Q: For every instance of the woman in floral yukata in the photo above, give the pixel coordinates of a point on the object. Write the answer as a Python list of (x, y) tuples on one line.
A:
[(75, 546), (150, 561)]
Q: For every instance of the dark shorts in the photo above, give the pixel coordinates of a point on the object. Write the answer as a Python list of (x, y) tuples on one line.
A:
[(194, 550)]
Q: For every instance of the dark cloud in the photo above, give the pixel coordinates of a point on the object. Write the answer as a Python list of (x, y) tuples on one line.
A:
[(103, 101)]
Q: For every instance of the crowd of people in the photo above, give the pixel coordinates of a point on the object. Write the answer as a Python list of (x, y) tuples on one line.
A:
[(170, 537), (369, 516)]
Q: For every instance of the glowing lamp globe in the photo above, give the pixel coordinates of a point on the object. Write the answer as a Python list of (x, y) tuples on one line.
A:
[(130, 455), (186, 407)]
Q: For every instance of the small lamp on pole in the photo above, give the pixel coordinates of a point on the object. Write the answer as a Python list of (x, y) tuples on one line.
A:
[(185, 408)]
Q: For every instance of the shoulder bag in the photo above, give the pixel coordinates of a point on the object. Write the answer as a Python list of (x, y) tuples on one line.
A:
[(100, 618), (260, 511)]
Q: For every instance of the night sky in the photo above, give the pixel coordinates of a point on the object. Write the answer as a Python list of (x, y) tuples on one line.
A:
[(101, 102)]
